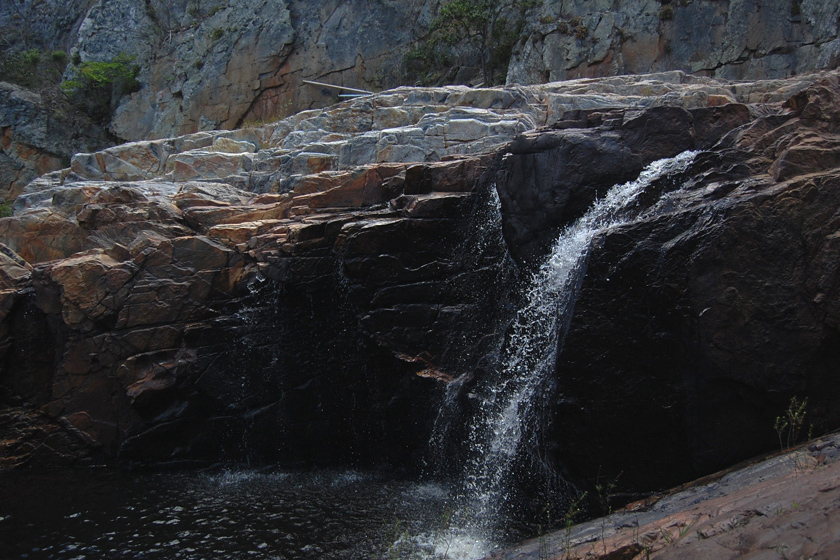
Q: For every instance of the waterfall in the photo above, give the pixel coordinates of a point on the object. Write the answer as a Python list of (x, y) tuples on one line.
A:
[(510, 399)]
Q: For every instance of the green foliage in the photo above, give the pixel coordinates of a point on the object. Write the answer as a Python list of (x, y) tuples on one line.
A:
[(31, 57), (59, 57), (6, 209), (426, 60), (666, 13), (216, 34), (32, 68), (581, 32), (97, 86), (605, 491), (788, 426), (548, 522), (487, 29)]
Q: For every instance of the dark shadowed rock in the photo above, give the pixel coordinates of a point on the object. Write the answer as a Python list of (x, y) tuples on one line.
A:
[(697, 323), (303, 292), (550, 177)]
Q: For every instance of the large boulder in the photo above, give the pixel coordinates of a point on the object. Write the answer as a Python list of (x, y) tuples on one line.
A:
[(697, 324)]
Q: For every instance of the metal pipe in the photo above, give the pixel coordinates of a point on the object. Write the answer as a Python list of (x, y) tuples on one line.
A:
[(354, 90)]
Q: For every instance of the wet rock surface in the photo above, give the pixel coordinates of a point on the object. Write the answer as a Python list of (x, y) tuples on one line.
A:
[(697, 323)]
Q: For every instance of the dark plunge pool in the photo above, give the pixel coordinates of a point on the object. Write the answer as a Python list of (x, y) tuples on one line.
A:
[(230, 514)]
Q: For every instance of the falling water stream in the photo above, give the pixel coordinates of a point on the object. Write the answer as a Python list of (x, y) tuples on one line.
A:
[(269, 514), (510, 399)]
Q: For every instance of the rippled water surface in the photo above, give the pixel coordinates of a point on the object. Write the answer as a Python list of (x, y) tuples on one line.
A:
[(102, 513)]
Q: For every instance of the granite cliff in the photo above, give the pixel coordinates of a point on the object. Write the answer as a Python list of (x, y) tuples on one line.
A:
[(305, 291), (209, 65)]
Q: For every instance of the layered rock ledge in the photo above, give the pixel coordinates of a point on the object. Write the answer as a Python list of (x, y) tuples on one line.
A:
[(303, 291)]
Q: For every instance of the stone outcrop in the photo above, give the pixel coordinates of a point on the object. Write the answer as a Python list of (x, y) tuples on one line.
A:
[(208, 66), (305, 291), (35, 139), (155, 271), (734, 39)]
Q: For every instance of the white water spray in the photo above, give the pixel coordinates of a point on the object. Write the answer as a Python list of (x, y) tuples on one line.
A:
[(508, 401)]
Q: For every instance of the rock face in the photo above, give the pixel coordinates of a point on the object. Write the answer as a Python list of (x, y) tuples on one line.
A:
[(305, 291), (179, 284), (696, 324), (34, 140), (209, 66), (734, 39)]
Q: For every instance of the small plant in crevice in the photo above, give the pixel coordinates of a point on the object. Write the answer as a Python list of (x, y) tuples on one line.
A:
[(605, 492), (33, 68), (568, 519), (788, 426), (581, 32), (666, 13), (216, 34), (545, 543)]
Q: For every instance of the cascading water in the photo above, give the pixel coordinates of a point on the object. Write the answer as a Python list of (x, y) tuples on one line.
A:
[(509, 400)]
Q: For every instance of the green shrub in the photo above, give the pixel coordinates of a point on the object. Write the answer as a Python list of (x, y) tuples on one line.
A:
[(6, 209), (483, 30), (216, 34), (581, 31), (59, 57), (666, 13), (32, 68), (789, 425)]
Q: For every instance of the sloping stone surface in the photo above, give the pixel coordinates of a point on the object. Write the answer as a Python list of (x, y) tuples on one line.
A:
[(782, 506)]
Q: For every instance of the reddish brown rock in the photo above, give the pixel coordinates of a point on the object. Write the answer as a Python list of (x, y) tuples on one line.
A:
[(785, 506), (168, 320)]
